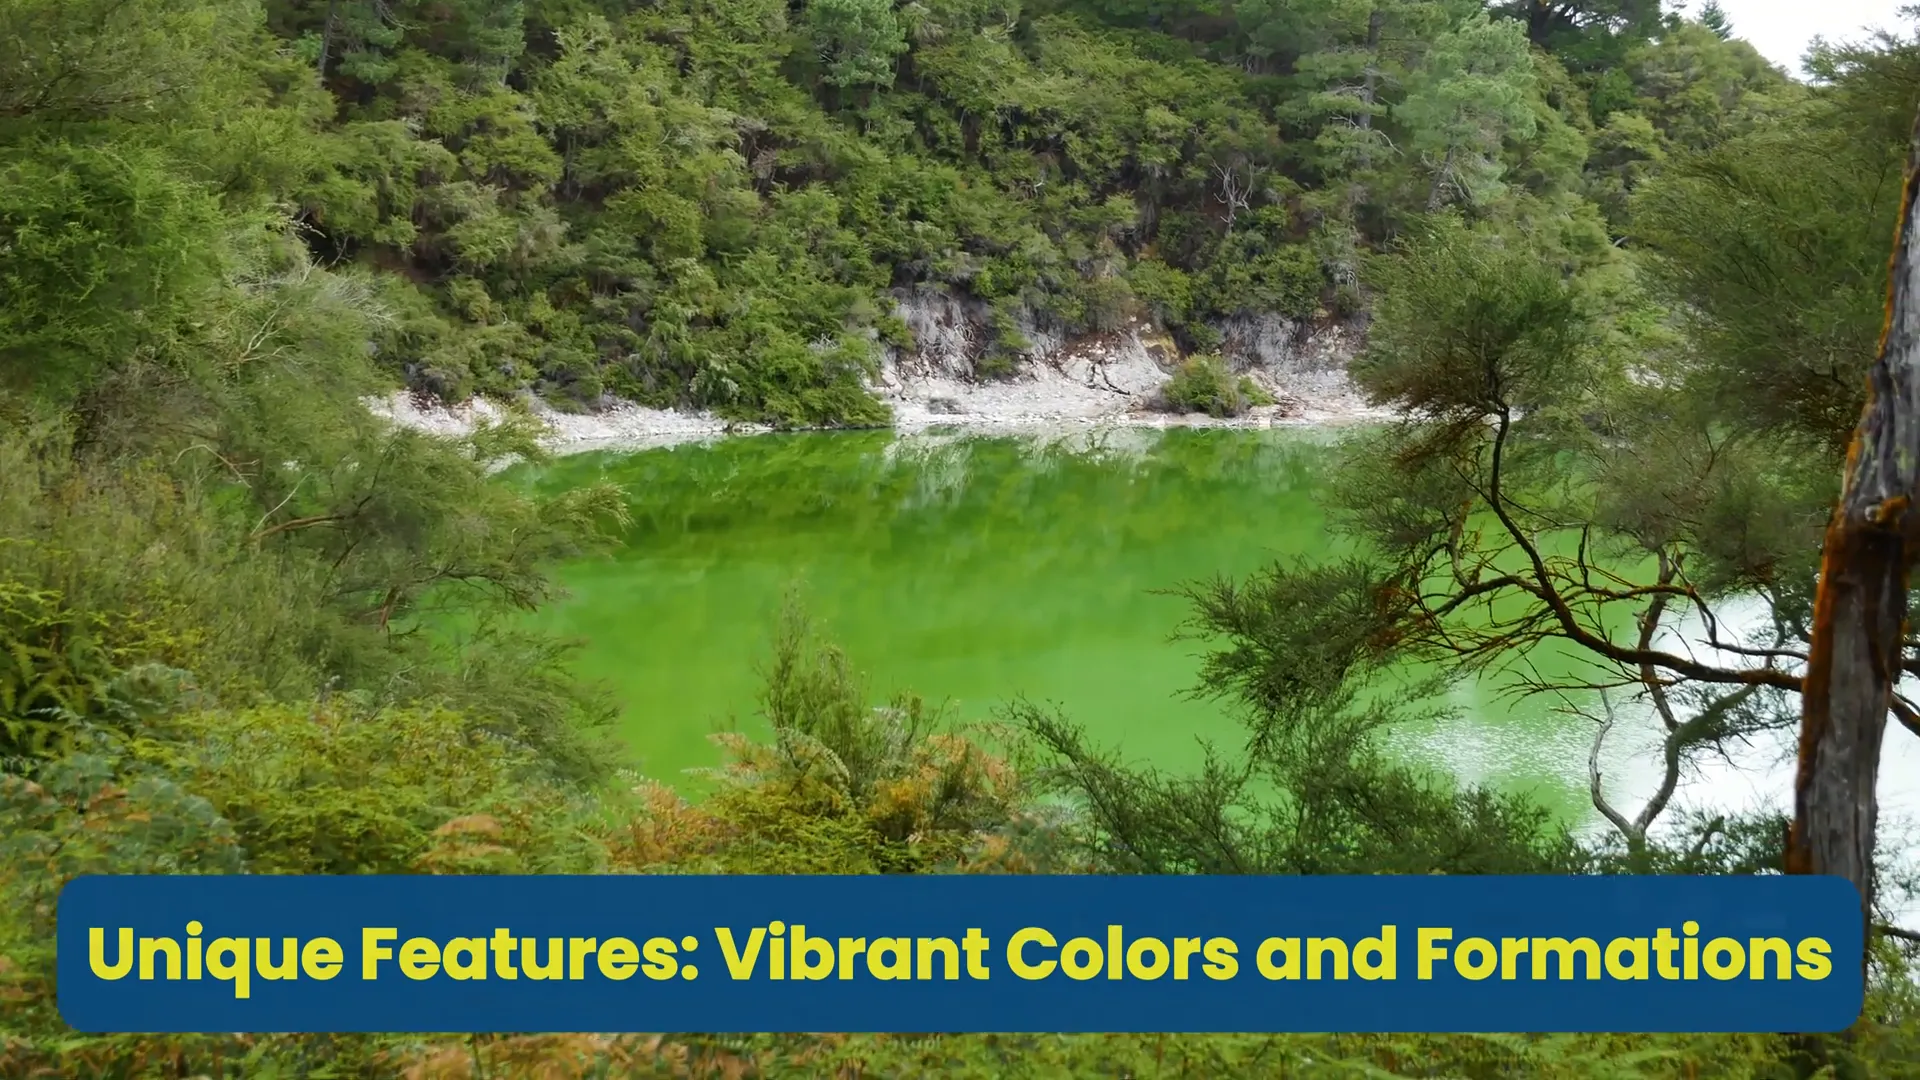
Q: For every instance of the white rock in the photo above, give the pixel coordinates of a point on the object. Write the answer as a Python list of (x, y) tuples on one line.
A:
[(937, 384)]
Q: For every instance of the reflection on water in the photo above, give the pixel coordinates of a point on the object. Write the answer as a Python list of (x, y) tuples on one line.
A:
[(980, 569), (1752, 775), (968, 569)]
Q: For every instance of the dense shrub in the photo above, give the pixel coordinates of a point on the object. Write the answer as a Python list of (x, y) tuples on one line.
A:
[(1203, 384)]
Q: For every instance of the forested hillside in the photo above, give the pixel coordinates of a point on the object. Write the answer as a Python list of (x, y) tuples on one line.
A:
[(716, 205), (1622, 279)]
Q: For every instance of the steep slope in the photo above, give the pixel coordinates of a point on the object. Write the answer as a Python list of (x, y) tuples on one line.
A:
[(763, 209)]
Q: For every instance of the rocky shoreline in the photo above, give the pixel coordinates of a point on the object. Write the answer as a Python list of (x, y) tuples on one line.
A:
[(626, 426), (1105, 380)]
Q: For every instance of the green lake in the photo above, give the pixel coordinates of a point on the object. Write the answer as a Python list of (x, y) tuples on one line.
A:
[(976, 570)]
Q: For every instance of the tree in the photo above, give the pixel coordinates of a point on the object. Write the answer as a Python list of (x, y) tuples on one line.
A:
[(354, 37), (1714, 18), (857, 40), (1701, 90), (82, 61), (1308, 791), (1471, 96), (1549, 514), (1583, 28), (1860, 611), (362, 39), (1356, 56), (1612, 475), (102, 251)]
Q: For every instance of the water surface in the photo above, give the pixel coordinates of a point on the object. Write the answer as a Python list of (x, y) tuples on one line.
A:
[(976, 570)]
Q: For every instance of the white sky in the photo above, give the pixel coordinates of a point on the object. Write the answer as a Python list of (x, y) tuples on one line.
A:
[(1781, 29)]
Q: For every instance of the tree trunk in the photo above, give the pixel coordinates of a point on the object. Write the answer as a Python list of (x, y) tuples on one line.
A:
[(1369, 89), (1542, 16), (326, 37), (1369, 93), (1436, 195), (1860, 609)]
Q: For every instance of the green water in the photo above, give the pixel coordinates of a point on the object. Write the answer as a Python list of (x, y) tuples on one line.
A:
[(973, 570)]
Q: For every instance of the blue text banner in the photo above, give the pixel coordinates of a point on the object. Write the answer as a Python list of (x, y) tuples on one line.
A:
[(959, 953)]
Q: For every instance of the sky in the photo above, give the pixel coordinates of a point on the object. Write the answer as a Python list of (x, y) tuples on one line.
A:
[(1781, 29)]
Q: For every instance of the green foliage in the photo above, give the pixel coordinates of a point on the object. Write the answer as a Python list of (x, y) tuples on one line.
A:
[(84, 814), (1256, 275), (1776, 243), (104, 248), (715, 206), (103, 567), (1473, 322), (858, 40), (1309, 792), (90, 61), (189, 476), (1594, 447), (1587, 34), (1465, 104), (975, 1057), (1714, 17), (1203, 384), (812, 696), (688, 205), (102, 570), (1625, 152), (844, 786), (51, 668), (330, 787), (1700, 89), (341, 788)]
